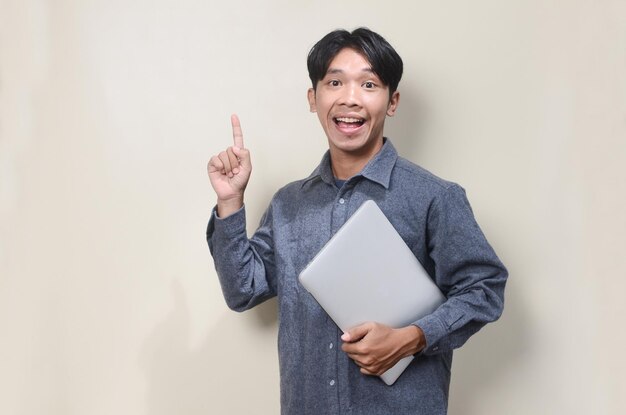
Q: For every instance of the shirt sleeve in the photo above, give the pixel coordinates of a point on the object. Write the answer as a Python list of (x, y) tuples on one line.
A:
[(467, 270), (245, 267)]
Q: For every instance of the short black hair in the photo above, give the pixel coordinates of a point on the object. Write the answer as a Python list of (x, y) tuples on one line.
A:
[(385, 61)]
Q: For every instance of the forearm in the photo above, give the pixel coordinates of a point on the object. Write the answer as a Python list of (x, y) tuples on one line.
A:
[(463, 314), (466, 269), (241, 263)]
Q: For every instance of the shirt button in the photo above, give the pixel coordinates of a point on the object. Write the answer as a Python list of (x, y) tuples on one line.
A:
[(342, 201), (330, 346), (332, 382)]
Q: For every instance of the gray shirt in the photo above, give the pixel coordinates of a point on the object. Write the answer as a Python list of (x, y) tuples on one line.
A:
[(433, 217)]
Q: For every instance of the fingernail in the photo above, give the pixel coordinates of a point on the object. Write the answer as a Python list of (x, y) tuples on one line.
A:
[(236, 170)]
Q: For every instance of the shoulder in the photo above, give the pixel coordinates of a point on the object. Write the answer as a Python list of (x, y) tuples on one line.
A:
[(292, 189), (408, 174)]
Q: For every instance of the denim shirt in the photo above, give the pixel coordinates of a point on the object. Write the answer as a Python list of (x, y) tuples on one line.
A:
[(433, 217)]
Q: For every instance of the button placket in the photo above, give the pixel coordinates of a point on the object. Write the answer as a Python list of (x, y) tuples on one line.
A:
[(339, 211)]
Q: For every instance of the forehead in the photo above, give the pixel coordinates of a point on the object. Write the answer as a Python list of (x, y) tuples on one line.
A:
[(349, 61)]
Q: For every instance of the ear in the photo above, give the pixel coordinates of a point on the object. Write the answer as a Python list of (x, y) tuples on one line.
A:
[(394, 101), (310, 94)]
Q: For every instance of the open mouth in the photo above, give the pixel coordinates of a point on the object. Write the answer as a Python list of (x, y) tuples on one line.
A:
[(348, 122)]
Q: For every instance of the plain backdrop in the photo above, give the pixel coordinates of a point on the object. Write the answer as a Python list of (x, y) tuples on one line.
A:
[(110, 109)]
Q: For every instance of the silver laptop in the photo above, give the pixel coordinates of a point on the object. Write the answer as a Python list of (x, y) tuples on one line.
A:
[(366, 272)]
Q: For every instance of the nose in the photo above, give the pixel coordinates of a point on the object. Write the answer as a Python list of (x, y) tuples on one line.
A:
[(350, 95)]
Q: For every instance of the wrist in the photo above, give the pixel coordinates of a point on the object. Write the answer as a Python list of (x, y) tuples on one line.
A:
[(226, 207), (415, 340)]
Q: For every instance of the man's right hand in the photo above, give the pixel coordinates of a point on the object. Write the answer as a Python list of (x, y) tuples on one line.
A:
[(229, 172)]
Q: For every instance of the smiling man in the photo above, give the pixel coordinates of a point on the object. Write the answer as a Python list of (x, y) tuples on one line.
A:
[(354, 78), (352, 103)]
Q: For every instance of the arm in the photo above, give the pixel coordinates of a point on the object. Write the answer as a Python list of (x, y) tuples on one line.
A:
[(468, 272), (242, 264)]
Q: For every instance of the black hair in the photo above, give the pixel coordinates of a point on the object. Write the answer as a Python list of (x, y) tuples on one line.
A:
[(384, 60)]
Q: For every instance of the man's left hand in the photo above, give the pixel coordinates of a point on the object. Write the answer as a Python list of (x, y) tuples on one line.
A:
[(375, 348)]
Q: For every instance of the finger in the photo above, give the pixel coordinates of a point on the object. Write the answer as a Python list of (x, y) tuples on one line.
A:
[(227, 169), (243, 155), (237, 134), (233, 159), (364, 368), (356, 357), (353, 349), (357, 333), (215, 165)]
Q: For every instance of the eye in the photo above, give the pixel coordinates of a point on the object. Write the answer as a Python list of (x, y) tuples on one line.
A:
[(369, 84), (334, 82)]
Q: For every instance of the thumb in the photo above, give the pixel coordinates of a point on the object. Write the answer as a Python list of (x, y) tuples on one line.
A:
[(357, 333)]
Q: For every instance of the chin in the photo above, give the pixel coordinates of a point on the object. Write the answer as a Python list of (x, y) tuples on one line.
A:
[(352, 145)]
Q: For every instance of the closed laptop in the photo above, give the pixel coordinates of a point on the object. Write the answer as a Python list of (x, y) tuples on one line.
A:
[(366, 272)]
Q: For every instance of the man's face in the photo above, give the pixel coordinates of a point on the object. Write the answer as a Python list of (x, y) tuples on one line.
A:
[(351, 103)]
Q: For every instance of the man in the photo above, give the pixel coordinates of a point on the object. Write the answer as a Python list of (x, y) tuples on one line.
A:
[(323, 371)]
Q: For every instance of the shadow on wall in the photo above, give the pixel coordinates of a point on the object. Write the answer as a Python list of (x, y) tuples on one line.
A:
[(197, 381)]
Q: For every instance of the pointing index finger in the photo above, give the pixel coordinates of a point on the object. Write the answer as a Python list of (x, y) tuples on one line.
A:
[(237, 134)]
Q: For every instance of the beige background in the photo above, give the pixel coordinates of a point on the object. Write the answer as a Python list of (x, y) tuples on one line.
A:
[(109, 110)]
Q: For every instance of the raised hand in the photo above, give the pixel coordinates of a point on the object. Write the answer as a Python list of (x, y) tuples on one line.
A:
[(229, 172)]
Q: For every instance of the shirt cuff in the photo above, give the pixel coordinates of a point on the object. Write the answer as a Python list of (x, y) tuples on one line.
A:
[(231, 225), (434, 331)]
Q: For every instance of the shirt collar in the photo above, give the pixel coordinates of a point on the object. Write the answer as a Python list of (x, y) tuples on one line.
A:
[(378, 169)]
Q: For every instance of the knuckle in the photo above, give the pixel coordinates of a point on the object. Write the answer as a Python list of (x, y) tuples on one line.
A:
[(215, 162)]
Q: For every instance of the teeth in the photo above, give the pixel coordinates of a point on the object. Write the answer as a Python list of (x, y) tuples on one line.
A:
[(349, 120)]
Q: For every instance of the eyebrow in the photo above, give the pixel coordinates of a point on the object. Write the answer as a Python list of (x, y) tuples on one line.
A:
[(337, 70)]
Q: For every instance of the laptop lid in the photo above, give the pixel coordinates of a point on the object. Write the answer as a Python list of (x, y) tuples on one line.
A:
[(366, 272)]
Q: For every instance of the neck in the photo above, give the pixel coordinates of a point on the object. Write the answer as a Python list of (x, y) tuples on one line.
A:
[(346, 165)]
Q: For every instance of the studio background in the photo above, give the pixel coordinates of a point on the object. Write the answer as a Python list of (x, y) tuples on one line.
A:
[(109, 111)]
